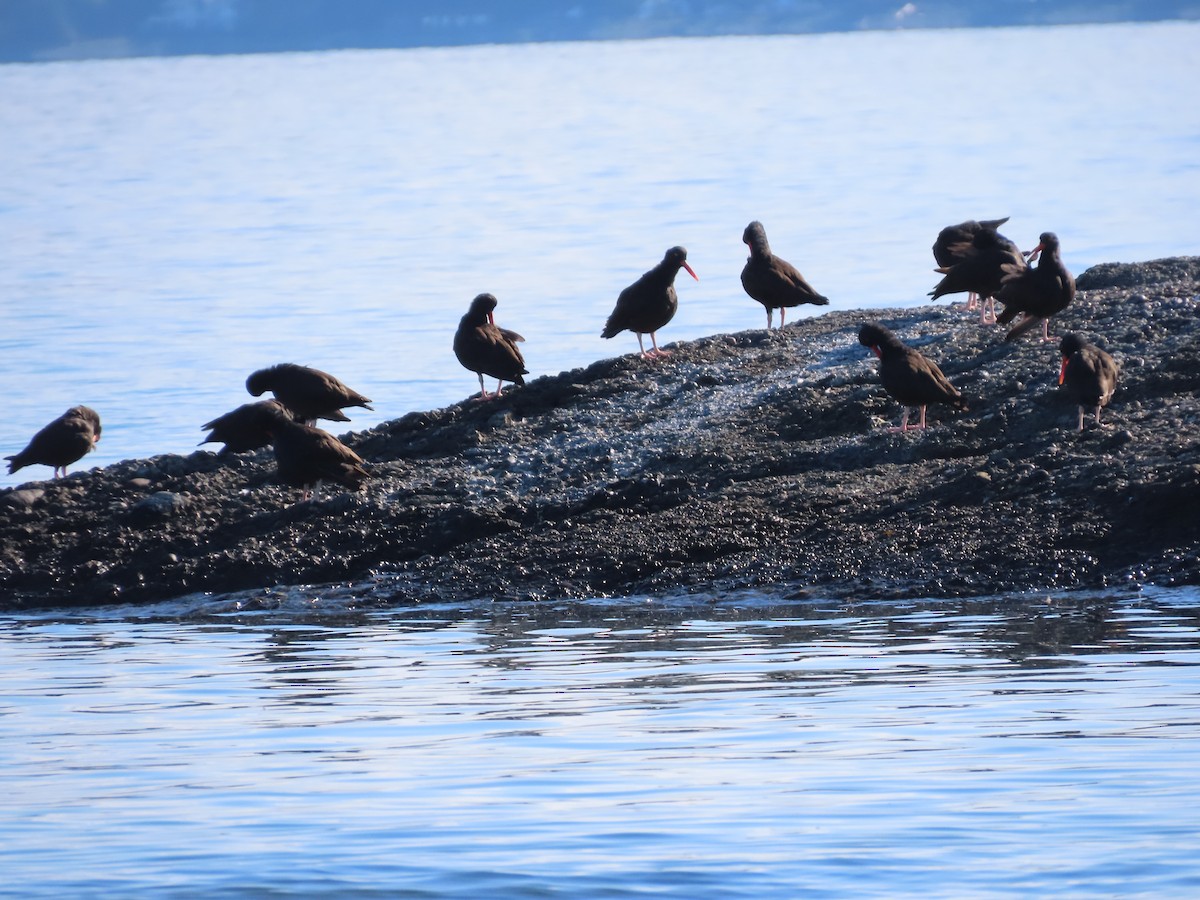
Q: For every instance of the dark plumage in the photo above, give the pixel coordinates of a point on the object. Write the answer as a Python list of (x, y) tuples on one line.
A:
[(650, 302), (907, 375), (64, 441), (1037, 293), (306, 456), (245, 428), (948, 249), (774, 282), (1088, 373), (976, 264), (486, 349), (309, 394)]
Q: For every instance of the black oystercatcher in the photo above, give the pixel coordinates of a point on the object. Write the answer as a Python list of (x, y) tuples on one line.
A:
[(1037, 293), (486, 349), (306, 456), (774, 282), (907, 375), (64, 441), (976, 264), (650, 302), (309, 394), (245, 428), (1090, 374), (948, 249)]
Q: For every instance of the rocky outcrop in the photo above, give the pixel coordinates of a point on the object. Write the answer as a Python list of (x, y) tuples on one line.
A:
[(755, 460)]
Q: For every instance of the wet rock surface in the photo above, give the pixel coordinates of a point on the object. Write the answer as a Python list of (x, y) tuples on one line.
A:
[(749, 460)]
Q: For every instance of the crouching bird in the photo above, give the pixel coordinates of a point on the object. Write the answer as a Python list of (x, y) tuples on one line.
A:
[(64, 441), (907, 375), (1088, 373), (309, 394), (244, 429), (307, 457), (486, 349)]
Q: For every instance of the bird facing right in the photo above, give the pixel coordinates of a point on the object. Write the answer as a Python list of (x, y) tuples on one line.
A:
[(650, 302), (772, 281), (1088, 373), (907, 375)]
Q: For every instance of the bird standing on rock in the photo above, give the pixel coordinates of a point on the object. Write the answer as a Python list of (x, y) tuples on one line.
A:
[(64, 441), (650, 302), (486, 349), (1089, 374), (245, 428), (1036, 293), (306, 456), (972, 257), (774, 282), (907, 375), (309, 394)]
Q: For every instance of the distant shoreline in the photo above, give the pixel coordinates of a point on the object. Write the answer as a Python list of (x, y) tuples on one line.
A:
[(76, 31)]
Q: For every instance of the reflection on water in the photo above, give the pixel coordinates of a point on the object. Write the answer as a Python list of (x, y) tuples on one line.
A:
[(732, 748)]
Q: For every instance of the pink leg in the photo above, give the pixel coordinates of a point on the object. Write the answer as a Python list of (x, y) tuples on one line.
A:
[(987, 311), (483, 394), (782, 314), (903, 422), (656, 352), (1081, 418)]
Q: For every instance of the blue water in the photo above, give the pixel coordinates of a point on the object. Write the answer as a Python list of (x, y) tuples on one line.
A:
[(169, 225), (296, 745)]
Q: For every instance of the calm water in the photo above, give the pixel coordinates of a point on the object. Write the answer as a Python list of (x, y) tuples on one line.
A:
[(298, 746), (166, 226), (169, 225)]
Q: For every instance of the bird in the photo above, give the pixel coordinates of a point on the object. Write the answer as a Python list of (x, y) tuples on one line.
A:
[(62, 442), (1089, 374), (650, 302), (309, 394), (975, 264), (774, 282), (245, 428), (307, 456), (947, 249), (1036, 293), (486, 349), (907, 375)]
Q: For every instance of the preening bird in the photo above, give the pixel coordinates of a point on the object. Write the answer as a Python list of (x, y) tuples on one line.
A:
[(64, 441), (486, 349), (309, 394)]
